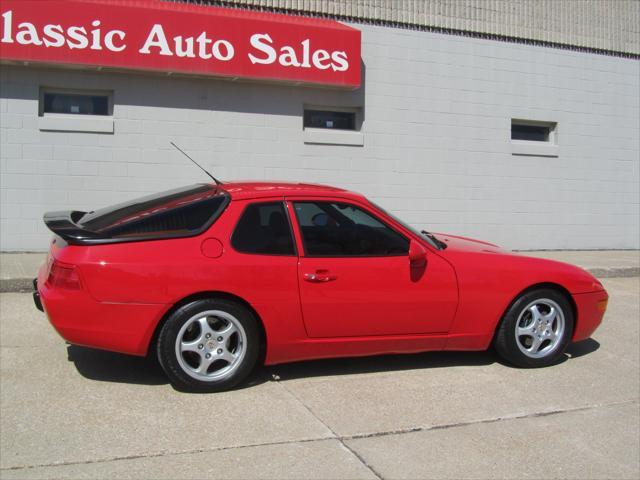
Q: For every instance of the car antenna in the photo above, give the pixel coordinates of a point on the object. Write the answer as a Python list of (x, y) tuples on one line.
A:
[(218, 182)]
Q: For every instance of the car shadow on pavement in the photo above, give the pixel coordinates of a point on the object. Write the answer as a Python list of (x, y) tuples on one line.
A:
[(386, 363), (584, 347), (115, 367), (381, 363)]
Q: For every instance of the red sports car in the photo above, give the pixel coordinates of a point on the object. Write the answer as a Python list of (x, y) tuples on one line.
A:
[(214, 278)]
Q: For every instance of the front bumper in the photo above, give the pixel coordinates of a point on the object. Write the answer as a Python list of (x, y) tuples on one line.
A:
[(590, 309)]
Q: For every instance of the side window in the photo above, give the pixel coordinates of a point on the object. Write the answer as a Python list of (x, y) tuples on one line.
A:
[(342, 230), (263, 229)]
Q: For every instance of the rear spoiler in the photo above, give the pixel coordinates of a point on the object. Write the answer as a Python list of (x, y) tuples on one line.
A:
[(160, 216), (64, 224)]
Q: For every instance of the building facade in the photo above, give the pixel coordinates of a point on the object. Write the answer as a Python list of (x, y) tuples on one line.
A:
[(515, 122)]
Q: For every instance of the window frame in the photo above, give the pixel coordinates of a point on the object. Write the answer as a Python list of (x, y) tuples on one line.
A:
[(75, 122), (289, 223), (334, 136), (373, 213), (353, 118), (551, 126), (537, 148)]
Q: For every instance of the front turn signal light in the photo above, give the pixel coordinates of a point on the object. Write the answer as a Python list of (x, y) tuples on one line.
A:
[(63, 276), (602, 305)]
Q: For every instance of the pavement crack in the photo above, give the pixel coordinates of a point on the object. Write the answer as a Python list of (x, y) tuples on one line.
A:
[(340, 438), (445, 426), (335, 435), (361, 459), (163, 454)]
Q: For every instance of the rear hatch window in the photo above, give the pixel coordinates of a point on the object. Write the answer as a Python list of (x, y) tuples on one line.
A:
[(180, 212)]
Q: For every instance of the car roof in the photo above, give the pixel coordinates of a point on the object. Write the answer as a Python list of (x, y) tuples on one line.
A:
[(242, 190)]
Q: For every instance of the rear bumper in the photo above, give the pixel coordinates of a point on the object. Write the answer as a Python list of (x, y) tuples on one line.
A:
[(590, 309), (82, 320), (36, 296)]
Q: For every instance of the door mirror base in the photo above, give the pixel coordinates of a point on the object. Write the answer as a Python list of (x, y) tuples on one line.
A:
[(417, 255)]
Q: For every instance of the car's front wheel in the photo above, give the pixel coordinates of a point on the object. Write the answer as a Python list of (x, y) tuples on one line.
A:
[(209, 345), (536, 329)]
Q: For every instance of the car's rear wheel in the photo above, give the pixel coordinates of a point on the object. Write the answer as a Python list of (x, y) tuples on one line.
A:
[(209, 345), (536, 329)]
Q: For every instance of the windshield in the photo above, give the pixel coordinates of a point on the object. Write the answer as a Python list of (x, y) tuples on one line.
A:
[(407, 226)]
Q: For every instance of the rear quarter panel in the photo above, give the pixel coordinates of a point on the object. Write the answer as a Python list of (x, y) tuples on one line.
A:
[(163, 272)]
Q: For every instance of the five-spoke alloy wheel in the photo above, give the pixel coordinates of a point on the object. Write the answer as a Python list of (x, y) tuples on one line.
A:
[(536, 329), (539, 328), (208, 345)]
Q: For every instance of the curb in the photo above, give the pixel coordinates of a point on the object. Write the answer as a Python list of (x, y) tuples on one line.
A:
[(16, 285), (22, 285), (614, 272)]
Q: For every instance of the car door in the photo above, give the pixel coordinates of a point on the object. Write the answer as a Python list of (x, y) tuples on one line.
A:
[(355, 278), (261, 265)]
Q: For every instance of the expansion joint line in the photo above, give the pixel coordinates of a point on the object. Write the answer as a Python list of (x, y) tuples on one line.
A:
[(340, 438), (335, 435)]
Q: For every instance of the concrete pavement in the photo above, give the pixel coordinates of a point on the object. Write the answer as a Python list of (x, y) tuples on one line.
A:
[(17, 270), (71, 412), (601, 263)]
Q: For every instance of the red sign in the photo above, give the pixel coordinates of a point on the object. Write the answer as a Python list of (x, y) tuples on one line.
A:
[(173, 37)]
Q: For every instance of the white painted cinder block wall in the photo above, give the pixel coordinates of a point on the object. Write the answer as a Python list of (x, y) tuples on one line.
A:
[(437, 112)]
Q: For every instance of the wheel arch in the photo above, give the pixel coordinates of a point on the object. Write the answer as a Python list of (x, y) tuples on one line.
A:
[(212, 294), (538, 286)]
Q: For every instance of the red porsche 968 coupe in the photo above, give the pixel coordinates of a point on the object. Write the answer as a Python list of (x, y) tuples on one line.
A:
[(214, 278)]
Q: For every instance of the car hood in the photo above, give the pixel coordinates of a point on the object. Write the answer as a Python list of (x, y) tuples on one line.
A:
[(466, 244), (480, 258)]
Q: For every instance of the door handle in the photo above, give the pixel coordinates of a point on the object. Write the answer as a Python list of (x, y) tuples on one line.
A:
[(321, 276)]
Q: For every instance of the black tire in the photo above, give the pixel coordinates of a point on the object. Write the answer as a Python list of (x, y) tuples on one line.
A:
[(182, 371), (510, 346)]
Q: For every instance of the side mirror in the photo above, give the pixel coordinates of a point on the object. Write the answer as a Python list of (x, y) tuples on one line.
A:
[(417, 255)]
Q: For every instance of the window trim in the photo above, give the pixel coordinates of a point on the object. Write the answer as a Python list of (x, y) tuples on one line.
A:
[(350, 111), (74, 122), (367, 210), (535, 148), (329, 136), (286, 212)]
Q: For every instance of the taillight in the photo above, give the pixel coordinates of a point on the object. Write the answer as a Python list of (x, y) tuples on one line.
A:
[(63, 276)]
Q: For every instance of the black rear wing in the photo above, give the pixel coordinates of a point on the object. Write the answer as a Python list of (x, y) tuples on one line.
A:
[(178, 213), (64, 224)]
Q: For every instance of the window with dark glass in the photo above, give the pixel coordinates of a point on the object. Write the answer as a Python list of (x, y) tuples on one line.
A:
[(264, 229), (179, 212), (75, 103), (343, 230), (531, 131), (330, 120)]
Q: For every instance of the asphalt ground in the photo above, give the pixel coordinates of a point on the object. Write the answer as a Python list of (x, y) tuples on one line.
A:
[(72, 412)]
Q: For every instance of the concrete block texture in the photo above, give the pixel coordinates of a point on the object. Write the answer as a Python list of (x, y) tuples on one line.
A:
[(600, 24), (437, 111)]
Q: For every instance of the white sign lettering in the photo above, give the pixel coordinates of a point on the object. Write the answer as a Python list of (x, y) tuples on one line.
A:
[(56, 36), (263, 50)]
